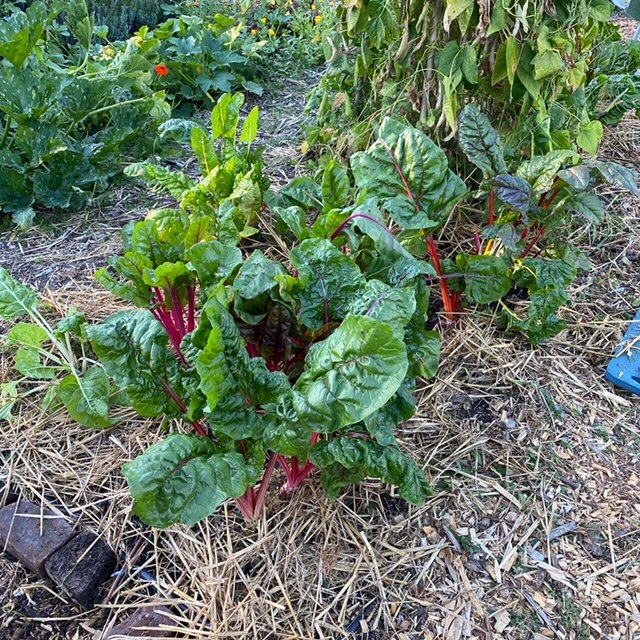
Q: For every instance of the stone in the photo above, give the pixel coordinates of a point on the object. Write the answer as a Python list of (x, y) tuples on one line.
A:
[(133, 626), (31, 534), (81, 566)]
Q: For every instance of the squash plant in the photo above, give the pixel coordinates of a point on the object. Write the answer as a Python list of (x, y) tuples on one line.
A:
[(68, 111)]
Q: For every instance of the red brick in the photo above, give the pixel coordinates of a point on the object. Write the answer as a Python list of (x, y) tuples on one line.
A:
[(32, 534)]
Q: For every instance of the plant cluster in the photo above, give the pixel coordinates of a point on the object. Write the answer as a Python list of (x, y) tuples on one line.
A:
[(301, 349), (200, 58), (538, 69), (68, 112)]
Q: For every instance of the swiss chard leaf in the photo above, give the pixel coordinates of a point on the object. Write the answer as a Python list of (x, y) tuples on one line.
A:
[(409, 176), (480, 142), (487, 278), (515, 192), (351, 374), (327, 282), (133, 349), (185, 479), (347, 460), (87, 398)]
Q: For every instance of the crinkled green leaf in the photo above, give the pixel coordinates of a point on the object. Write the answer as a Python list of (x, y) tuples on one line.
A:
[(515, 192), (480, 142), (184, 479), (379, 301), (382, 424), (257, 275), (348, 460), (213, 261), (328, 280), (132, 346), (541, 171), (351, 374), (423, 349), (487, 278), (294, 219), (409, 176)]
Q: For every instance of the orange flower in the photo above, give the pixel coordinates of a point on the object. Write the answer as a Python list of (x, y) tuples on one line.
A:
[(162, 70)]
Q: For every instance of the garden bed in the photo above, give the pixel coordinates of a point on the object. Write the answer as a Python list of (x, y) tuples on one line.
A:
[(533, 527)]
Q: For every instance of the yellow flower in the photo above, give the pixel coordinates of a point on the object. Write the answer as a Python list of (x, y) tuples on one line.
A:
[(254, 32), (313, 7), (316, 37), (271, 33), (318, 19), (138, 41), (263, 20), (108, 53)]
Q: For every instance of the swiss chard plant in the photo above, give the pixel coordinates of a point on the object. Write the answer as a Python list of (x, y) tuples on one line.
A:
[(525, 245), (53, 357), (300, 361), (521, 248)]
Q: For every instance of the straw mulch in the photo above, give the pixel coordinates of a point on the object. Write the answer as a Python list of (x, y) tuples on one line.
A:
[(533, 530)]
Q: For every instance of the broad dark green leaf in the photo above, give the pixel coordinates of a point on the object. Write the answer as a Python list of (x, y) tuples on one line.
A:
[(480, 142), (487, 278), (351, 374), (257, 275), (87, 398), (515, 192), (328, 281), (183, 479), (347, 460), (409, 176), (379, 301), (132, 346)]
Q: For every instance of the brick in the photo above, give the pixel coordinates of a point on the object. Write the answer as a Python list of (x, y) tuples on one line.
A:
[(81, 566), (150, 617), (32, 534)]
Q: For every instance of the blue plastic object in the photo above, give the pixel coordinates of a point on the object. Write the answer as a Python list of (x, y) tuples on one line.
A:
[(624, 369)]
